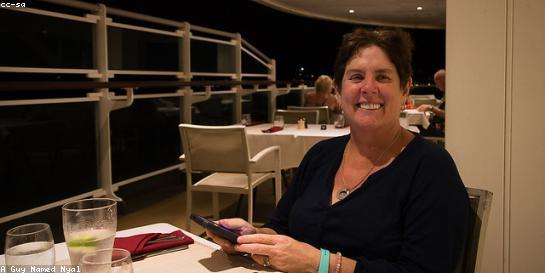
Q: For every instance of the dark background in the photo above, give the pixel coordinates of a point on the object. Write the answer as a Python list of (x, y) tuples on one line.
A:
[(293, 41)]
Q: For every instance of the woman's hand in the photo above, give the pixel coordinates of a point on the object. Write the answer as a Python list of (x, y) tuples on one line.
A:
[(281, 252), (236, 224)]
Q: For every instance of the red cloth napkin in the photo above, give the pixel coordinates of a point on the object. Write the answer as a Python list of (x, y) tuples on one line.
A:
[(272, 129), (136, 244)]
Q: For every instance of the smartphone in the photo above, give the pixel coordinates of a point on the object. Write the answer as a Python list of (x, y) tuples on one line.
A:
[(215, 228)]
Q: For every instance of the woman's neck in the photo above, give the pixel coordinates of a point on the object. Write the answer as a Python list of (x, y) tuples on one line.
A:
[(369, 143)]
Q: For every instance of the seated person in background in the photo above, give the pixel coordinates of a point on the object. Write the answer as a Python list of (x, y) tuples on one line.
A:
[(439, 79), (437, 123), (380, 199), (323, 95)]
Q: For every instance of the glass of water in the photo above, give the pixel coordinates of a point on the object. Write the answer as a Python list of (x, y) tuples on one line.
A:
[(113, 260), (89, 225), (30, 244)]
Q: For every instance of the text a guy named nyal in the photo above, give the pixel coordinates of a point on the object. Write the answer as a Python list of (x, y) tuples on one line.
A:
[(39, 269)]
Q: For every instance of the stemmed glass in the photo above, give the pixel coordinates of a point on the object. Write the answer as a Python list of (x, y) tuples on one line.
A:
[(89, 225), (113, 260), (30, 244), (278, 121)]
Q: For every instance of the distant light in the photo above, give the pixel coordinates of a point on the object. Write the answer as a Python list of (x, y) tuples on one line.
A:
[(302, 68), (351, 11), (419, 8)]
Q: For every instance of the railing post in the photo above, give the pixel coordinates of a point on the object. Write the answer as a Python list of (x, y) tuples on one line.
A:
[(274, 92), (185, 64), (237, 113), (104, 106)]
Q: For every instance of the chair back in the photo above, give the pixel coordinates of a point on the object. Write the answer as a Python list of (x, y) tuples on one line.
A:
[(324, 112), (292, 116), (479, 202), (215, 148)]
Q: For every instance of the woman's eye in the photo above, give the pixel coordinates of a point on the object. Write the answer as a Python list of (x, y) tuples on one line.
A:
[(382, 77), (355, 77)]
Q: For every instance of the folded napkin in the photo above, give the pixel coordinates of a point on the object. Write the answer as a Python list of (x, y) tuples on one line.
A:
[(272, 129), (143, 243)]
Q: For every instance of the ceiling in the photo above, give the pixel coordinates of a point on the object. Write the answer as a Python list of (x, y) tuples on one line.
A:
[(401, 13)]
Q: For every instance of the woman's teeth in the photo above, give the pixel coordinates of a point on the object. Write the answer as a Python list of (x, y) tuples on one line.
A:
[(369, 106)]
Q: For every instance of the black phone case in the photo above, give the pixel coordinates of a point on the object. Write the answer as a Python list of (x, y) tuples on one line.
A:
[(223, 232)]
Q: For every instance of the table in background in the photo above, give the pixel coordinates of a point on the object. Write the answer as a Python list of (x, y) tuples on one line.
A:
[(415, 117), (294, 143), (201, 256)]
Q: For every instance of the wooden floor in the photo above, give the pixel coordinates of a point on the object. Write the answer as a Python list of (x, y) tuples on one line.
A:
[(163, 200)]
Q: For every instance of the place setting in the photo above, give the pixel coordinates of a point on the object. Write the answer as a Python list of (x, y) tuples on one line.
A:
[(89, 228)]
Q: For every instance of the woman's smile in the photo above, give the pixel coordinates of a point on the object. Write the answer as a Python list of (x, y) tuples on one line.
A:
[(369, 106)]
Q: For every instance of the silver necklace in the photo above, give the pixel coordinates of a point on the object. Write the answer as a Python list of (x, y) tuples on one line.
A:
[(345, 191)]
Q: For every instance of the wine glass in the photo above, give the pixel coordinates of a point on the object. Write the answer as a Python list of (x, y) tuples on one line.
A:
[(89, 225), (278, 121), (113, 260), (30, 244), (246, 119)]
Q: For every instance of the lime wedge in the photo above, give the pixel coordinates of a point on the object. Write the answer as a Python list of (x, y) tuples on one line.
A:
[(83, 241)]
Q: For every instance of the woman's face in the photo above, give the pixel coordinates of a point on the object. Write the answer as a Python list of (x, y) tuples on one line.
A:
[(371, 95)]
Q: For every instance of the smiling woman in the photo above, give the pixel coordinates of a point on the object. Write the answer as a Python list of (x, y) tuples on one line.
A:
[(381, 199)]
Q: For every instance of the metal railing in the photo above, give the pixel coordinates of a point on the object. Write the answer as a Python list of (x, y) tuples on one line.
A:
[(101, 83)]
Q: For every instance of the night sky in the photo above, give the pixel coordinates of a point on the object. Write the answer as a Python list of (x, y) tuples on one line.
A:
[(293, 41)]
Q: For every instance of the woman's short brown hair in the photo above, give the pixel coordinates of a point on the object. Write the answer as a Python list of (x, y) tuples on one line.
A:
[(397, 45)]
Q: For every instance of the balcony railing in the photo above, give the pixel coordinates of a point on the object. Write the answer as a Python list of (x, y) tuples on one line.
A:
[(91, 97)]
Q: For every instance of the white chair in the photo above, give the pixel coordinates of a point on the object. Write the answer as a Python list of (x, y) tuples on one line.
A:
[(292, 116), (479, 202), (324, 112), (224, 151)]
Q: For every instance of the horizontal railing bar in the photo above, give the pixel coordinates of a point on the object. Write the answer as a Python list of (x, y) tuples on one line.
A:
[(97, 192), (151, 96), (145, 29), (255, 57), (18, 69), (45, 101), (213, 31), (214, 74), (144, 17), (148, 175), (58, 15), (143, 72), (74, 4), (253, 49), (254, 75), (212, 40), (66, 85)]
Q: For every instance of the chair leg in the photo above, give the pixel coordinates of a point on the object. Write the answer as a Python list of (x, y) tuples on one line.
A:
[(188, 210), (277, 188), (250, 207), (215, 206)]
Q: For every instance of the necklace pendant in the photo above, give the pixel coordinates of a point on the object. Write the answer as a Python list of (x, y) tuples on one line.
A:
[(343, 193)]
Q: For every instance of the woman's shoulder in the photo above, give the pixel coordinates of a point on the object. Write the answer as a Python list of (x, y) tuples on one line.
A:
[(426, 148)]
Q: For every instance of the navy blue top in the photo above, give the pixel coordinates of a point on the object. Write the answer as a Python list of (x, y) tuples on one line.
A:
[(410, 216)]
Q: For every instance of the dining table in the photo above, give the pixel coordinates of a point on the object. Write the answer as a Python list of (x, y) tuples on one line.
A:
[(294, 142), (412, 117), (202, 256)]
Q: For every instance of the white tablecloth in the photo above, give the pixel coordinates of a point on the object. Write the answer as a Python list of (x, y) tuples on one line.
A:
[(293, 142), (201, 257), (415, 117)]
